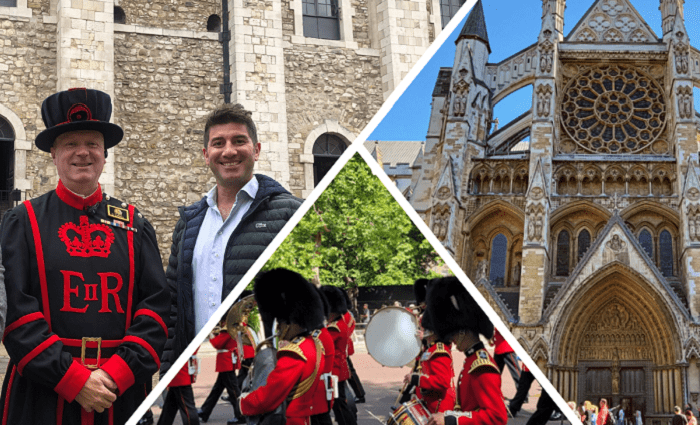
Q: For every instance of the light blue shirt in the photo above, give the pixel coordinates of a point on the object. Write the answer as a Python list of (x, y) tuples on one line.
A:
[(208, 260)]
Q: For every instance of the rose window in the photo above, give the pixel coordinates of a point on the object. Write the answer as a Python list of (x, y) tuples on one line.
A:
[(613, 109)]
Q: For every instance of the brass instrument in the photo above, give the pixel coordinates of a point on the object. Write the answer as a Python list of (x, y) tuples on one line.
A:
[(237, 320)]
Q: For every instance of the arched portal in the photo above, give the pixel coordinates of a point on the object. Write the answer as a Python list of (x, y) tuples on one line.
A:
[(7, 165), (618, 339)]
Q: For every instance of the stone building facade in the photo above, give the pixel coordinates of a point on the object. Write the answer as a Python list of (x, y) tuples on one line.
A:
[(163, 63), (588, 241)]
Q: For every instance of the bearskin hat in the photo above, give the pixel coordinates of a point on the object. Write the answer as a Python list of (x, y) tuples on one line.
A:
[(324, 300), (419, 290), (286, 296), (450, 308), (336, 299)]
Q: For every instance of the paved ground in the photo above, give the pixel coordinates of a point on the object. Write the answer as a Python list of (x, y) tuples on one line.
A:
[(382, 385)]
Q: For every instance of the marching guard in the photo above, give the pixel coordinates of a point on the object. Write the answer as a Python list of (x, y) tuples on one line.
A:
[(292, 300), (457, 317), (85, 284), (324, 392), (180, 395), (227, 363), (434, 376)]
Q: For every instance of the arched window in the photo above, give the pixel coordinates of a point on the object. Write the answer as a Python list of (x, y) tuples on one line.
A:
[(7, 165), (584, 241), (321, 19), (666, 253), (327, 148), (499, 250), (563, 253), (119, 15), (214, 23), (448, 9), (647, 242)]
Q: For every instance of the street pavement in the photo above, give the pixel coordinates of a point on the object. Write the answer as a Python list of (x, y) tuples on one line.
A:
[(382, 385)]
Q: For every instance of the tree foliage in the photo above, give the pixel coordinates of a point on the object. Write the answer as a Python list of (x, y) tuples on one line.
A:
[(356, 234)]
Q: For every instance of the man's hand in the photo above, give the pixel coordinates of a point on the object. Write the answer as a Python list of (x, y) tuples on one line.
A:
[(437, 419), (407, 379), (98, 393)]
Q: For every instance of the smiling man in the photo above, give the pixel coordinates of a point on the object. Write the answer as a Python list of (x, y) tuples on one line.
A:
[(218, 238), (86, 290)]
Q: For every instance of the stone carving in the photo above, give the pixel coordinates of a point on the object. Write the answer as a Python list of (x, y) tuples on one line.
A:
[(482, 270), (460, 105), (515, 281), (685, 102), (681, 56), (546, 57), (615, 370), (544, 99), (440, 225), (694, 221), (616, 250), (612, 21), (615, 335), (443, 193)]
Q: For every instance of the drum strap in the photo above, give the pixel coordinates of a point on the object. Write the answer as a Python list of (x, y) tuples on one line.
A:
[(304, 386)]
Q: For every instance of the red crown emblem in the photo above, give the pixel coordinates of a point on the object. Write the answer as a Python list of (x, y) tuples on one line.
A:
[(82, 243)]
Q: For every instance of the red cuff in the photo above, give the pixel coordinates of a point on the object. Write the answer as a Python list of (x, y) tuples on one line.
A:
[(118, 370), (73, 381)]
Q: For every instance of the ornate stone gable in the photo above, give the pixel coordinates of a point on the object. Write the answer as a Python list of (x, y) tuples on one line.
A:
[(614, 246), (612, 21), (537, 207), (446, 185), (691, 202)]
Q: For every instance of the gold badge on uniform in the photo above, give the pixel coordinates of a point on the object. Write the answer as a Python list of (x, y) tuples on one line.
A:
[(118, 213)]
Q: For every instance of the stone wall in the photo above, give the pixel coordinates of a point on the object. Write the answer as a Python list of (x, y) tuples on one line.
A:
[(164, 86), (175, 14), (27, 76), (326, 83)]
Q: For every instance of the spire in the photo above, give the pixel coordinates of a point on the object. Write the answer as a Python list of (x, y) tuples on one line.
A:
[(475, 27)]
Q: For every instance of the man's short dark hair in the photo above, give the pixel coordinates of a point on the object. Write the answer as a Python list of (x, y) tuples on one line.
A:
[(226, 114)]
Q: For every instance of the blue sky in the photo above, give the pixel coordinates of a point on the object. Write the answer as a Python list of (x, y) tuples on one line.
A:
[(512, 26)]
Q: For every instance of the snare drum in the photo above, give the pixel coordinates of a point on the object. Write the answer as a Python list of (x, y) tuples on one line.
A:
[(413, 412)]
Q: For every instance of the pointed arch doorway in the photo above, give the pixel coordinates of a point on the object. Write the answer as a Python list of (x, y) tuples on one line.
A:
[(619, 340), (7, 165)]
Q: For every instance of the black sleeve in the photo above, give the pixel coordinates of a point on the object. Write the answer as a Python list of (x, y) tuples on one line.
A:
[(170, 353)]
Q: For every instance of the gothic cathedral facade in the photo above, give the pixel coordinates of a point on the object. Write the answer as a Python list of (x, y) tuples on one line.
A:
[(586, 238)]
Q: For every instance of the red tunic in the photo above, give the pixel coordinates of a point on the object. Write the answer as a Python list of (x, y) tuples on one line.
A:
[(479, 392), (183, 377), (501, 346), (339, 333), (321, 403), (434, 384), (226, 351), (79, 268), (350, 323), (293, 378)]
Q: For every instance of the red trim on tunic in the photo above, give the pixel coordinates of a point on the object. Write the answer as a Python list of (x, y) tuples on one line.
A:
[(132, 268), (144, 344), (154, 316), (40, 263), (73, 381), (59, 410), (87, 418), (120, 372), (7, 396), (111, 415), (76, 201), (36, 351), (21, 321)]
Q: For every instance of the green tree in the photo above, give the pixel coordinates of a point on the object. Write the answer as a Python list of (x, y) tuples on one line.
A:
[(356, 234)]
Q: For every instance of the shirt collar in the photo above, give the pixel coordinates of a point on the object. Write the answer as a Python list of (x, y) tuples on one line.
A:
[(78, 201), (250, 189)]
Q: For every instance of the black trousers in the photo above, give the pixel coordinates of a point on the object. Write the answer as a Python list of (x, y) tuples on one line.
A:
[(182, 399), (526, 380), (545, 408), (511, 360), (354, 381), (322, 419), (341, 410), (243, 372), (225, 380)]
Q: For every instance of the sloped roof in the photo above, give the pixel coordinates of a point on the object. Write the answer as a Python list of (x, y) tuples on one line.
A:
[(395, 152)]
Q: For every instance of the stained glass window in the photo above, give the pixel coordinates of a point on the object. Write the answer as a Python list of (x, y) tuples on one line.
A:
[(666, 253), (563, 253), (584, 241), (647, 242), (499, 249)]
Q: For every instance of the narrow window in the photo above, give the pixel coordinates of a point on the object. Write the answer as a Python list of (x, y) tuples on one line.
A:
[(499, 248), (119, 15), (563, 253), (584, 241), (647, 242), (666, 253), (321, 19), (327, 148)]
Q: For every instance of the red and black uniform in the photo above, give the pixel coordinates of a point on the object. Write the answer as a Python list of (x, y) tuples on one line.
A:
[(479, 395), (340, 333), (504, 355), (181, 397), (435, 382), (354, 380), (79, 272), (227, 363), (322, 405), (293, 378), (248, 356)]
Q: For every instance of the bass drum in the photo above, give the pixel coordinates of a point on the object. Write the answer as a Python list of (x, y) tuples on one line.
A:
[(263, 363), (392, 337)]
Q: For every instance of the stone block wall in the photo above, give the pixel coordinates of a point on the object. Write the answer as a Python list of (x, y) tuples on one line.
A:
[(27, 76), (164, 88), (173, 14)]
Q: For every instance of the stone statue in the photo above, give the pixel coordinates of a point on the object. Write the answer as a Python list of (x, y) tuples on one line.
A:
[(482, 270), (616, 250), (516, 275)]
